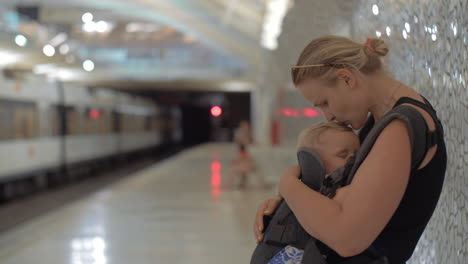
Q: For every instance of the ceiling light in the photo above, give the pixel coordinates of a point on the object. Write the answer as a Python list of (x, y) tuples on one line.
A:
[(88, 65), (48, 50), (273, 19), (102, 26), (87, 17), (21, 40), (389, 31), (378, 33), (89, 27)]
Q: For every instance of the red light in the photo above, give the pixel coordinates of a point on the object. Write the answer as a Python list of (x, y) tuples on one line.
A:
[(215, 173), (94, 114), (216, 111), (286, 112), (309, 112)]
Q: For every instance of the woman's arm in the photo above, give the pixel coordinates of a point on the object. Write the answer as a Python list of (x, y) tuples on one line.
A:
[(351, 223)]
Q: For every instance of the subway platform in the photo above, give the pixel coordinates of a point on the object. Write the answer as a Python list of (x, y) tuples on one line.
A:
[(175, 211)]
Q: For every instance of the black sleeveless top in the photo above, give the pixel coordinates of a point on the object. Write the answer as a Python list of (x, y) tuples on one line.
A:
[(398, 239)]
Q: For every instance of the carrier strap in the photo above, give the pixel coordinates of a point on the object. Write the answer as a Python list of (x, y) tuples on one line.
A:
[(432, 136), (420, 139)]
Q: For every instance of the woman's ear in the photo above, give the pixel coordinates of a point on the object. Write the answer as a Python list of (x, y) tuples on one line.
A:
[(347, 76)]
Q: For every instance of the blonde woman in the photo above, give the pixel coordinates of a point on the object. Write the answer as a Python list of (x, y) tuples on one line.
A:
[(386, 208)]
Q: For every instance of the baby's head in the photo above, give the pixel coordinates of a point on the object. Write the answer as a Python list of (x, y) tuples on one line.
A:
[(333, 142)]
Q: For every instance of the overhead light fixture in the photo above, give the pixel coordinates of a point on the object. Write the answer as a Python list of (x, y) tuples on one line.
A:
[(88, 65), (9, 57), (21, 40), (378, 33), (275, 13), (48, 50), (89, 27), (142, 27), (44, 68), (102, 26), (87, 17)]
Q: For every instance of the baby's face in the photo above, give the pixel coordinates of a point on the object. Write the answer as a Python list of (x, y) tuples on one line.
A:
[(336, 147)]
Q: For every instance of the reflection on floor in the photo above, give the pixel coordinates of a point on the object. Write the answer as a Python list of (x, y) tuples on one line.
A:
[(172, 212)]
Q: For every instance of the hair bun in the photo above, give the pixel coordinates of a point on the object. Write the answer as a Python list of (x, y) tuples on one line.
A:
[(379, 46)]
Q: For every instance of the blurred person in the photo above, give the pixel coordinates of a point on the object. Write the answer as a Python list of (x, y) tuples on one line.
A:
[(243, 164)]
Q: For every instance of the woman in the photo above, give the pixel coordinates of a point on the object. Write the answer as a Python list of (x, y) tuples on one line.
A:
[(388, 205)]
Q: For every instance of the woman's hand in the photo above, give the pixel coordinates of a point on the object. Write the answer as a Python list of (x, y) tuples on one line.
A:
[(291, 174), (267, 207)]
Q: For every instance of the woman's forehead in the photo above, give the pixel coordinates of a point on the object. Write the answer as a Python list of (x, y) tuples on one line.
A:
[(312, 90)]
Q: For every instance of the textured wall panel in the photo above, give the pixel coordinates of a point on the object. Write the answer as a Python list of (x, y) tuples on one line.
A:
[(432, 58)]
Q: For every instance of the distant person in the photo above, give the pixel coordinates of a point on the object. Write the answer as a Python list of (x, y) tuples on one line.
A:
[(243, 164)]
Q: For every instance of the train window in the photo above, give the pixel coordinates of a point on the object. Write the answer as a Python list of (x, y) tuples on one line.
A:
[(6, 120), (116, 122), (25, 120), (105, 123), (54, 122), (95, 121), (99, 121), (141, 123), (30, 121), (73, 121), (18, 120), (148, 123)]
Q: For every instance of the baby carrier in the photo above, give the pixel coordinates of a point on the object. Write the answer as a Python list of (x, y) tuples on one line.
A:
[(283, 228)]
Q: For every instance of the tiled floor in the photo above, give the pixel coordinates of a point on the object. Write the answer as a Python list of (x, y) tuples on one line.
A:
[(172, 212)]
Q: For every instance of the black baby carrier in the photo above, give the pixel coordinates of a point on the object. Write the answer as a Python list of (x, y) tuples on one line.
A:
[(283, 228)]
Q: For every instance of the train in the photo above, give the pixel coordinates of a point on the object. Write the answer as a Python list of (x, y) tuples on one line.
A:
[(51, 131)]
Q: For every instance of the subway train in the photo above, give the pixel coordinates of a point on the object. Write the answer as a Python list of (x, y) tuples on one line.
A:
[(53, 132)]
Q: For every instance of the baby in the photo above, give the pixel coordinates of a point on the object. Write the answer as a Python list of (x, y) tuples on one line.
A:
[(334, 144)]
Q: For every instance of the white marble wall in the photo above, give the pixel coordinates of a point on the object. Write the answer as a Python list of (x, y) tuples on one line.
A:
[(432, 58)]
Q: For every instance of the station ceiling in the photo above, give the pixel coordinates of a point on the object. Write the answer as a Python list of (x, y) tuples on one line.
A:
[(146, 44)]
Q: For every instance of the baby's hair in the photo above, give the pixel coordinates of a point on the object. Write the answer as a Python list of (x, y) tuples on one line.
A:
[(309, 137)]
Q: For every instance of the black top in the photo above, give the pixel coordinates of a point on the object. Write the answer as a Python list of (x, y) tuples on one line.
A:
[(398, 239)]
